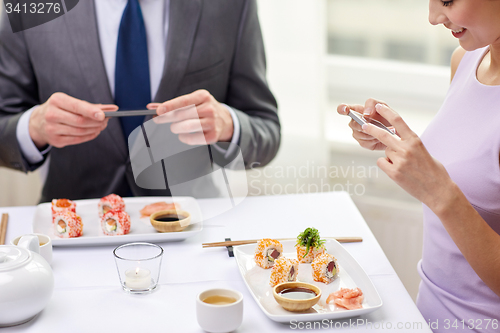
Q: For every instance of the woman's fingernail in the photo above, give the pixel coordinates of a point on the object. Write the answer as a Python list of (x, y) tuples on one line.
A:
[(378, 106), (367, 111), (346, 109)]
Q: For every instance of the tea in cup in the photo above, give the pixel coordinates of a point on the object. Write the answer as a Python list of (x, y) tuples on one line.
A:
[(219, 310)]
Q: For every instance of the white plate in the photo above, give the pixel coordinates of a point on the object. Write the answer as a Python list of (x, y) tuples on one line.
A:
[(140, 229), (351, 275)]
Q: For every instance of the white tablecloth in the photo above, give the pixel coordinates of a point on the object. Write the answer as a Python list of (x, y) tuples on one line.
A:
[(88, 298)]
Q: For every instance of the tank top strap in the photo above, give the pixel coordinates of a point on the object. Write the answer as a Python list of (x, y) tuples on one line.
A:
[(468, 65)]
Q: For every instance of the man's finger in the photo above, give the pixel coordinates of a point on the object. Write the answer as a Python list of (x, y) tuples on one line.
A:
[(77, 106), (193, 139), (64, 140), (185, 113), (73, 119), (187, 126), (107, 107), (66, 130), (195, 98)]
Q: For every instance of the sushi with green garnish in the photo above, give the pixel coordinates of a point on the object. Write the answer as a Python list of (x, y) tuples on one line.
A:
[(309, 245)]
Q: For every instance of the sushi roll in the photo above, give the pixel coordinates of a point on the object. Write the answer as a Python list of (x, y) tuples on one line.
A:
[(309, 245), (284, 270), (267, 251), (110, 202), (67, 225), (325, 268), (115, 222), (306, 257), (62, 205)]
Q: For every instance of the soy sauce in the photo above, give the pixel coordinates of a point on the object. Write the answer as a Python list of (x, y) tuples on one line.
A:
[(297, 293), (169, 218)]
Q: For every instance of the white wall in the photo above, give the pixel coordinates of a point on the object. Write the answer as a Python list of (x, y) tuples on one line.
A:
[(18, 189)]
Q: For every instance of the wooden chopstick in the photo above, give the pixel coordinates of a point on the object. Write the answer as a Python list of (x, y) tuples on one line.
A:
[(251, 241), (3, 228)]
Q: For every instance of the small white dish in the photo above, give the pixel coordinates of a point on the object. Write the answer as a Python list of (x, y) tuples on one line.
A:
[(141, 229), (351, 275)]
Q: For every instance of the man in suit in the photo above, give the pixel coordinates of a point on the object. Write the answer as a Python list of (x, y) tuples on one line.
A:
[(58, 78)]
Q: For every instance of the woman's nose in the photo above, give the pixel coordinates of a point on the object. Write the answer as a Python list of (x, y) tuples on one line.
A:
[(436, 13)]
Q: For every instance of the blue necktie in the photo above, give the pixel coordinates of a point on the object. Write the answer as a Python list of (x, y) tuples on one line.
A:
[(132, 86)]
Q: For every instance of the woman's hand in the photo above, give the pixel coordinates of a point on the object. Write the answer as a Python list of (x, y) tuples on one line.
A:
[(365, 140), (408, 162)]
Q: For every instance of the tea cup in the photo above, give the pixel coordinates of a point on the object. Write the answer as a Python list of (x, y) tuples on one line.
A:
[(219, 310)]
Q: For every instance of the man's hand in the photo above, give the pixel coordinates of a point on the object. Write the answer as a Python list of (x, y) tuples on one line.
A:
[(64, 120), (211, 122)]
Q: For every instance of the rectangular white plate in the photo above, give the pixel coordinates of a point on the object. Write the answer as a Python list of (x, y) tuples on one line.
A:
[(140, 230), (351, 275)]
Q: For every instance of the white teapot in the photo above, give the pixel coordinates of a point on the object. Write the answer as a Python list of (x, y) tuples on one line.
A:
[(26, 281)]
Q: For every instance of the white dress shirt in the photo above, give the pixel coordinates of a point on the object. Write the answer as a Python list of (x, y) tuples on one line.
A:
[(109, 14)]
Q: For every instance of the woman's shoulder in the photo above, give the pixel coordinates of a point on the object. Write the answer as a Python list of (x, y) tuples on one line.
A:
[(461, 58), (456, 57)]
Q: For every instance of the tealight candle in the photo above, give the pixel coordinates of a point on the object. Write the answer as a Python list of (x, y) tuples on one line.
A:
[(138, 279)]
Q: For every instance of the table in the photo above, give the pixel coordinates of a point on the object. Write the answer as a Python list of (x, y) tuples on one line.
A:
[(88, 298)]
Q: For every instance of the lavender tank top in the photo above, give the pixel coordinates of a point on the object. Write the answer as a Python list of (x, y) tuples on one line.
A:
[(465, 137)]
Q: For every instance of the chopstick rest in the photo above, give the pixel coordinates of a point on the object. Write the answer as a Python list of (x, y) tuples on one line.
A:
[(229, 248)]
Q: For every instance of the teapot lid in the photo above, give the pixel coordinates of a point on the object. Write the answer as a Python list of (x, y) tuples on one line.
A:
[(12, 257)]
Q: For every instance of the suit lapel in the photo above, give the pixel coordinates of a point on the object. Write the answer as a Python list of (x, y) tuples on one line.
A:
[(183, 22), (81, 24)]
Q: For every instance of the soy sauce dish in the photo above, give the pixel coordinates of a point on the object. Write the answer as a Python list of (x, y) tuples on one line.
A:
[(170, 220), (296, 296)]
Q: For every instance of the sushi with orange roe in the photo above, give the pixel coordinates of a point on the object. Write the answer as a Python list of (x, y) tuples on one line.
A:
[(67, 225), (62, 205), (110, 202), (267, 252), (325, 268), (305, 257), (284, 270), (115, 222)]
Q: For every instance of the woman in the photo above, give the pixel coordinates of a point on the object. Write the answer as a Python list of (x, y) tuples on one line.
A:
[(454, 169)]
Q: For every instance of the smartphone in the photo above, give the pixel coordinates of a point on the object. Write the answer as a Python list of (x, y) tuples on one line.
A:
[(360, 119)]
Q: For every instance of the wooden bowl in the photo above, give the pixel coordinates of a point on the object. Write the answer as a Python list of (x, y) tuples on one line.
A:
[(296, 305), (174, 226)]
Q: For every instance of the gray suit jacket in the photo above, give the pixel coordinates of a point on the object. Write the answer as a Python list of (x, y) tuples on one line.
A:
[(214, 45)]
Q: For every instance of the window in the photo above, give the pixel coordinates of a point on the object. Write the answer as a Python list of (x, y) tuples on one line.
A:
[(387, 29)]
